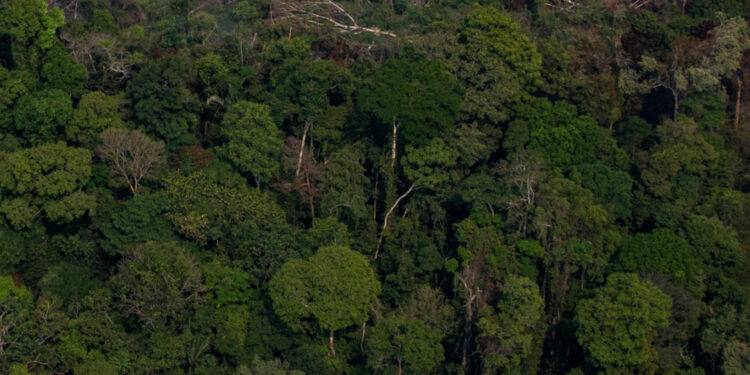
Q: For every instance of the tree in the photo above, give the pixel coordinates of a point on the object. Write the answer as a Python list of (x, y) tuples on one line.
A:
[(41, 116), (565, 137), (161, 102), (158, 282), (244, 224), (45, 179), (63, 73), (511, 336), (691, 65), (617, 325), (483, 257), (253, 140), (33, 20), (410, 346), (419, 99), (425, 167), (130, 154), (126, 224), (665, 252), (95, 112), (335, 287), (736, 358), (494, 60)]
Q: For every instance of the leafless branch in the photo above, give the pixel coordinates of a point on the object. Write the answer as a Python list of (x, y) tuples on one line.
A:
[(322, 13)]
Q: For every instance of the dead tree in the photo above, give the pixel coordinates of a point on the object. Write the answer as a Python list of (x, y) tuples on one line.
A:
[(323, 13), (131, 155)]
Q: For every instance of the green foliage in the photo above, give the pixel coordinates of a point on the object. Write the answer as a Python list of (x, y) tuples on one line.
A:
[(398, 345), (609, 186), (664, 252), (161, 102), (63, 73), (511, 335), (617, 325), (244, 224), (253, 140), (426, 166), (419, 97), (335, 287), (31, 20), (45, 179), (40, 117), (158, 282), (137, 220), (95, 112), (563, 136), (535, 166), (497, 64)]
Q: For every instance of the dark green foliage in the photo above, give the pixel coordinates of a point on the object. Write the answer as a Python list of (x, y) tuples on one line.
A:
[(420, 96), (138, 220), (40, 117), (662, 251), (161, 102), (610, 186), (157, 282), (563, 136), (62, 72)]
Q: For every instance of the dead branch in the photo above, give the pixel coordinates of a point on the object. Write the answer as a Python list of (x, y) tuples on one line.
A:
[(323, 13)]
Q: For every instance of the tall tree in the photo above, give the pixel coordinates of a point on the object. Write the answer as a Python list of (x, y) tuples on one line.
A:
[(46, 179), (617, 325), (335, 287), (253, 140)]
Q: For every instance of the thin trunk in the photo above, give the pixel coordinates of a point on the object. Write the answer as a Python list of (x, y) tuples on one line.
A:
[(471, 295), (257, 182), (302, 148), (393, 149), (242, 55), (330, 344), (400, 370), (362, 341), (676, 105), (738, 103), (309, 193), (388, 214)]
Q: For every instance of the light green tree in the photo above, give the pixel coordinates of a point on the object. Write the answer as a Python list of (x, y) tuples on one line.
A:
[(617, 325), (45, 179), (512, 334), (31, 19), (335, 287), (253, 140), (95, 112)]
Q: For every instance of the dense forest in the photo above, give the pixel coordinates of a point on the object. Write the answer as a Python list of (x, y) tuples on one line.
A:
[(290, 187)]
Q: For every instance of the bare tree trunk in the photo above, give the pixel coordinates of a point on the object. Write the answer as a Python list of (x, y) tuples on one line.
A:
[(302, 148), (738, 103), (362, 341), (468, 321), (393, 149), (676, 105), (309, 193), (388, 214)]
